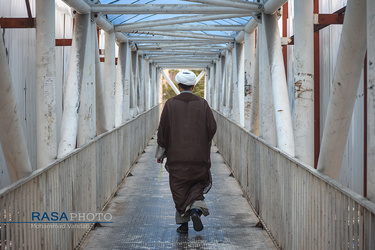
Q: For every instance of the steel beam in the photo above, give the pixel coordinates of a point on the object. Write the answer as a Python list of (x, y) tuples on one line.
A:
[(11, 133), (168, 9), (304, 82), (180, 42), (189, 35), (181, 57), (346, 79), (14, 23), (241, 83), (176, 20), (181, 46), (63, 42), (110, 78), (87, 104), (284, 126), (190, 61), (179, 52), (187, 27), (267, 128), (170, 82), (232, 4), (104, 24), (46, 83), (254, 112), (102, 121), (120, 80), (249, 62), (184, 50), (160, 39), (79, 5), (127, 80), (370, 102), (69, 126), (217, 84), (183, 65), (316, 91), (269, 7), (325, 20)]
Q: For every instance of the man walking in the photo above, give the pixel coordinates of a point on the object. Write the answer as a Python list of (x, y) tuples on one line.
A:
[(186, 129)]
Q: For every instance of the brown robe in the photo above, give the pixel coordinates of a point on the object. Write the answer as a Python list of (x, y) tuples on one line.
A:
[(186, 129)]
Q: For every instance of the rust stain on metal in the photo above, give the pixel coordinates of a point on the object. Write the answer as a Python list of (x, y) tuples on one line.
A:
[(299, 89)]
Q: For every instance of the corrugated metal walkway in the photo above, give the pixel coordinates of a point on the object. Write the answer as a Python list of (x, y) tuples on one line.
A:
[(143, 214)]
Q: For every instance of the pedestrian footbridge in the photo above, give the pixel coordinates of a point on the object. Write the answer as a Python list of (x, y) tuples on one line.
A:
[(291, 86), (144, 210)]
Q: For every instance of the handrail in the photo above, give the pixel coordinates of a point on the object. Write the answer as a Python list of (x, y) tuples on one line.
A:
[(358, 198), (40, 171), (300, 207), (79, 184)]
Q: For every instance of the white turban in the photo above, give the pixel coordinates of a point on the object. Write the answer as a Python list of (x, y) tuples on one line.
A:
[(186, 77)]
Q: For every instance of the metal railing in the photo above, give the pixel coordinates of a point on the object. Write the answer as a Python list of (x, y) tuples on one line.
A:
[(80, 183), (300, 207)]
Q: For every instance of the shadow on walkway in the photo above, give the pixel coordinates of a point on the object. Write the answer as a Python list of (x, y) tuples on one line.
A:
[(143, 213)]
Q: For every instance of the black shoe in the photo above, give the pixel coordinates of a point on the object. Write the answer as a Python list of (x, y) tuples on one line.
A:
[(197, 223), (183, 229)]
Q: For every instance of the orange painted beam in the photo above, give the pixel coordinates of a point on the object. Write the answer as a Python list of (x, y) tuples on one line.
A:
[(17, 23), (63, 42)]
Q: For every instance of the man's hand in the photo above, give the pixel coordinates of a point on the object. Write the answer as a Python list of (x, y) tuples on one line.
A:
[(160, 160)]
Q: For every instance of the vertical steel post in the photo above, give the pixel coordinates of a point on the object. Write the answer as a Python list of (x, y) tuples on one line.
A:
[(45, 81), (212, 84), (207, 86), (140, 82), (254, 111), (127, 77), (226, 82), (316, 90), (158, 83), (241, 83), (110, 78), (267, 129), (229, 82), (120, 78), (224, 73), (153, 83), (238, 96), (147, 84), (370, 8), (87, 109), (101, 115), (136, 88), (142, 87), (284, 126), (11, 134), (285, 15), (347, 74), (233, 86), (217, 84), (304, 81), (249, 62), (217, 89), (69, 126)]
